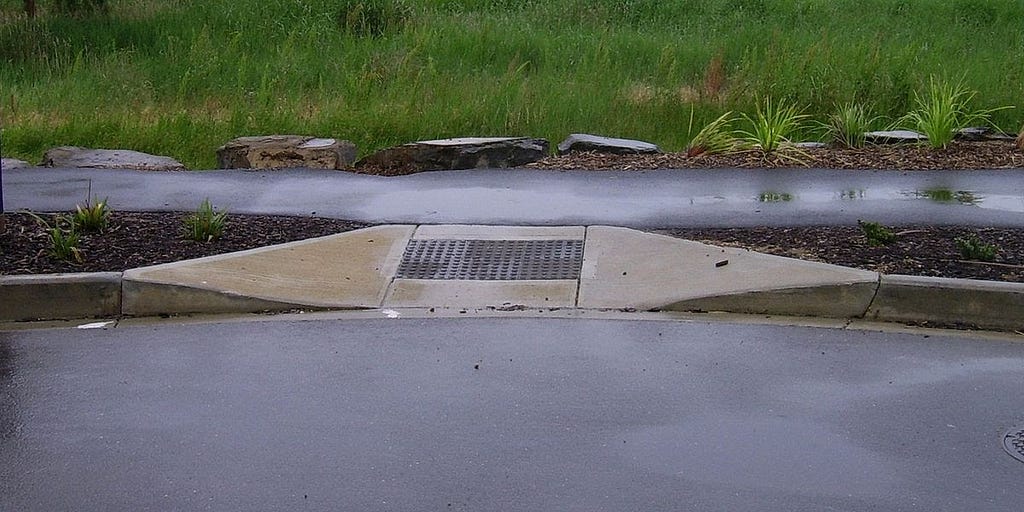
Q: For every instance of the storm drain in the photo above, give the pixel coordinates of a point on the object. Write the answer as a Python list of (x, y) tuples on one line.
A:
[(1013, 441), (492, 260)]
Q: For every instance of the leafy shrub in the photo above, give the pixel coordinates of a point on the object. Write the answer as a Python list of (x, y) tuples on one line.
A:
[(206, 224), (93, 217), (372, 18), (972, 248), (876, 233)]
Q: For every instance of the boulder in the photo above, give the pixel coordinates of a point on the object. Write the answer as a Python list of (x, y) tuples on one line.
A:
[(585, 142), (894, 137), (461, 153), (10, 163), (72, 156), (286, 152), (1020, 140)]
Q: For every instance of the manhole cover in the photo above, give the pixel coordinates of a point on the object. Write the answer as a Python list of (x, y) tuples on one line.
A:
[(1013, 441), (492, 260)]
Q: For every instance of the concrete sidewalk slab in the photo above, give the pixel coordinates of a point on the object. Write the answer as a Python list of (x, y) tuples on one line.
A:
[(410, 293), (624, 268), (344, 271), (420, 293)]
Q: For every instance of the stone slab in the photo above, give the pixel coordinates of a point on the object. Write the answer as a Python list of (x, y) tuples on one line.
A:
[(941, 302), (894, 137), (76, 157), (420, 293), (624, 268), (476, 232), (286, 152), (13, 163), (60, 296), (611, 145), (344, 271)]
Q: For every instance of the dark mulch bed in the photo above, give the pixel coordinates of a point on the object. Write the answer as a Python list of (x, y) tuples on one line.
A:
[(917, 250), (960, 155), (140, 239)]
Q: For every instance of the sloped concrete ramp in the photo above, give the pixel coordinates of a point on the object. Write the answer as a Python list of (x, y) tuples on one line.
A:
[(620, 269)]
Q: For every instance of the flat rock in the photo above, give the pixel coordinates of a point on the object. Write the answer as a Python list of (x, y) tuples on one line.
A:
[(11, 163), (460, 153), (894, 137), (981, 134), (72, 156), (286, 152), (810, 145), (599, 144)]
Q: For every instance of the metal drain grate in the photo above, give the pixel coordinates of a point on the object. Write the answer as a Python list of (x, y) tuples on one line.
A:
[(492, 260), (1013, 441)]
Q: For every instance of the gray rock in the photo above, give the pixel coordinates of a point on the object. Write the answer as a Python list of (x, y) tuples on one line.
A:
[(286, 152), (461, 153), (894, 137), (72, 156), (981, 134), (585, 142), (11, 163), (810, 145)]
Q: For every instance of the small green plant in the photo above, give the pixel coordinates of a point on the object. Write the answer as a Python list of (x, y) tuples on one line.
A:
[(944, 111), (876, 233), (206, 224), (715, 138), (93, 217), (847, 125), (771, 127), (972, 248), (62, 237)]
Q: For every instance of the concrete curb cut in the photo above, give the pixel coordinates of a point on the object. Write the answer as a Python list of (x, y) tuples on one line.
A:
[(903, 299)]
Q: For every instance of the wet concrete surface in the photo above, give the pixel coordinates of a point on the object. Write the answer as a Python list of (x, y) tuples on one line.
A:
[(506, 414), (641, 199)]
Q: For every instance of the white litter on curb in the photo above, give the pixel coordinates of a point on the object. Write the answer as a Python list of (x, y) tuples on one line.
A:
[(96, 325)]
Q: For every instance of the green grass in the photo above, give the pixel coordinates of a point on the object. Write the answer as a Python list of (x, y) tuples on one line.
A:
[(180, 78)]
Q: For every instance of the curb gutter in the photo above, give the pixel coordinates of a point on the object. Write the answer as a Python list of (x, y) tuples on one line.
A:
[(903, 299)]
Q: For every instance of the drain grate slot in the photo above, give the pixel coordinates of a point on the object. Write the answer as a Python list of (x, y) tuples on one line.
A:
[(1013, 441), (492, 260)]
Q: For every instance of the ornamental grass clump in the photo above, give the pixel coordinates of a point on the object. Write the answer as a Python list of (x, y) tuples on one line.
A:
[(848, 124), (93, 217), (62, 238), (944, 111), (771, 128), (715, 138), (206, 224)]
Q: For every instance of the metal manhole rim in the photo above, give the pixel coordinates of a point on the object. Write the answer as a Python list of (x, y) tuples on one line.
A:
[(1013, 443)]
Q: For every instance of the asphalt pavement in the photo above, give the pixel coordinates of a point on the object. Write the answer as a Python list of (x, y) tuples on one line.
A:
[(639, 199), (506, 414)]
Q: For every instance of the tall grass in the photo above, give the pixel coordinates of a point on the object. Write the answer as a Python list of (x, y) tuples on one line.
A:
[(180, 78)]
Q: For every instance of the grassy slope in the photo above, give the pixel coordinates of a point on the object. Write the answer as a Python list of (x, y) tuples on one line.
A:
[(182, 78)]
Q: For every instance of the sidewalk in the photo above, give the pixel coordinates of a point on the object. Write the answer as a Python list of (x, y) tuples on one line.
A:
[(511, 268)]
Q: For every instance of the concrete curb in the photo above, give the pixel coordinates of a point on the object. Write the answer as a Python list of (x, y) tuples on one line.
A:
[(898, 298), (944, 301), (60, 296)]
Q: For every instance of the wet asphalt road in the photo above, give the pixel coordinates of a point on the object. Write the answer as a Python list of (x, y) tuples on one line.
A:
[(640, 199), (506, 414)]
